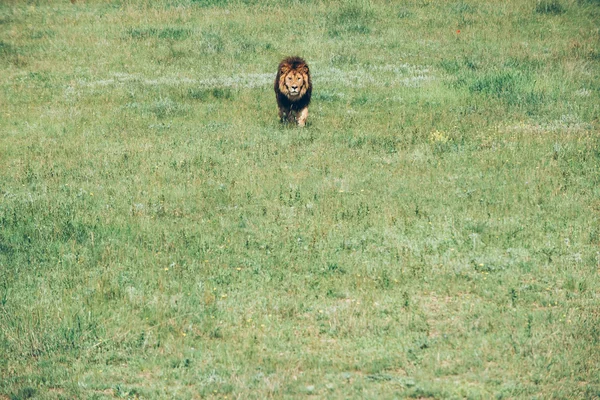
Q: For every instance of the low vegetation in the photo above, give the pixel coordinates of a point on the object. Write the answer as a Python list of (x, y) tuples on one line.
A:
[(433, 233)]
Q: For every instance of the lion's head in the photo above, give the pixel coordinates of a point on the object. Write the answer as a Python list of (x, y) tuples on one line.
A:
[(293, 79)]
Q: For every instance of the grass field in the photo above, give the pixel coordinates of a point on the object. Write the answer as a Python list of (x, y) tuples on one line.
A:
[(433, 233)]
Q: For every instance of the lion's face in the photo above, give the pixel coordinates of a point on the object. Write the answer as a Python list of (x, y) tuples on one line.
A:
[(293, 83)]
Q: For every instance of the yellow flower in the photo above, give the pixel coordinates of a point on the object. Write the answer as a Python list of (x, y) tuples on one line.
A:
[(438, 137)]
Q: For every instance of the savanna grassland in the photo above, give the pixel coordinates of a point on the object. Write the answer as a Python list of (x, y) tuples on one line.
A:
[(433, 233)]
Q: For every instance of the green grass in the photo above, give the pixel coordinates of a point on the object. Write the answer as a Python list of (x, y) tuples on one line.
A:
[(433, 233)]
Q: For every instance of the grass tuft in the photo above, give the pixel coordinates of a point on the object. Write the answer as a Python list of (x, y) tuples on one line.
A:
[(164, 33), (553, 7), (355, 18)]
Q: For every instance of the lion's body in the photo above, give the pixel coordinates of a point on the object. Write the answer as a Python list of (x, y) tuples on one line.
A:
[(293, 89)]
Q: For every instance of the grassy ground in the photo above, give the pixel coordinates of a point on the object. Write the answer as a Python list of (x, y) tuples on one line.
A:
[(433, 233)]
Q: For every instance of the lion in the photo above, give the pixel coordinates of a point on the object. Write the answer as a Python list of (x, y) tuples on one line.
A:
[(293, 89)]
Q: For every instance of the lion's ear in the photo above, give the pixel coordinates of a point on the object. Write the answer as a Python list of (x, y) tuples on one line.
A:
[(284, 69), (305, 69)]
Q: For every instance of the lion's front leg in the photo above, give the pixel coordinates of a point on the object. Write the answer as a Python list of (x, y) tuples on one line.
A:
[(301, 117), (291, 116), (286, 115), (282, 115)]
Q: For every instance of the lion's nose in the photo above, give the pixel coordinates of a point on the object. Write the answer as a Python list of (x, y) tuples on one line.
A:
[(295, 87)]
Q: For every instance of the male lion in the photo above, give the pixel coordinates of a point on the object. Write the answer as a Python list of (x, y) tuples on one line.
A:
[(292, 90)]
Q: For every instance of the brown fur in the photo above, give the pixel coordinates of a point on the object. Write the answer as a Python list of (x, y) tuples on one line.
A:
[(293, 89)]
